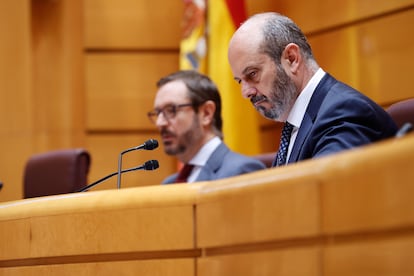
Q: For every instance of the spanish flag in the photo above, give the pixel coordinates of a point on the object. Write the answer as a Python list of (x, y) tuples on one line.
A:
[(240, 120), (193, 46)]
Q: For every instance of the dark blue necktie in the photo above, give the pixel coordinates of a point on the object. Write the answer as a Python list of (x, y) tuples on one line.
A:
[(284, 145)]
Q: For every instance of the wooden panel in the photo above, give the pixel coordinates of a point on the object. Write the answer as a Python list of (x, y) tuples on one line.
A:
[(95, 223), (256, 6), (15, 95), (57, 100), (328, 13), (41, 83), (133, 24), (91, 231), (365, 57), (268, 211), (15, 67), (270, 132), (148, 230), (270, 137), (373, 197), (290, 262), (391, 256), (105, 150), (171, 267), (121, 88)]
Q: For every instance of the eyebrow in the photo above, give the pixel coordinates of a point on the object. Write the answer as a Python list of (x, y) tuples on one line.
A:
[(245, 73)]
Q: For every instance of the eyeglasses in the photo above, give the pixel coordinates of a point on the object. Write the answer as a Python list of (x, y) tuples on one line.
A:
[(169, 111)]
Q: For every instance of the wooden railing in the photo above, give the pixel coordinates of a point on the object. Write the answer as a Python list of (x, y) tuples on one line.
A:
[(346, 214)]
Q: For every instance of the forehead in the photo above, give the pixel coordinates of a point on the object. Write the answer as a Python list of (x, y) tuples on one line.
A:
[(242, 60), (245, 51), (174, 92)]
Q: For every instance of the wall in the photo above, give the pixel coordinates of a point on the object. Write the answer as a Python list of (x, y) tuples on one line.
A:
[(41, 93)]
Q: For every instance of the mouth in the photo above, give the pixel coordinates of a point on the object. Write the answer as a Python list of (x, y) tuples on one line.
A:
[(167, 137), (256, 101)]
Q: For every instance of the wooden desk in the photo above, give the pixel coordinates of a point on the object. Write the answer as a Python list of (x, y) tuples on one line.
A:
[(347, 214)]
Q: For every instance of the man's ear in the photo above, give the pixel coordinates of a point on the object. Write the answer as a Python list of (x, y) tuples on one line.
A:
[(291, 58), (206, 112)]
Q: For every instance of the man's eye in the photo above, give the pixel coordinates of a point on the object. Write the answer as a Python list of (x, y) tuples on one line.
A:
[(252, 74), (169, 109)]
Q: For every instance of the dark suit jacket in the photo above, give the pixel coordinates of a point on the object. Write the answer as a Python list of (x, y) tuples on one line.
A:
[(337, 118), (224, 163)]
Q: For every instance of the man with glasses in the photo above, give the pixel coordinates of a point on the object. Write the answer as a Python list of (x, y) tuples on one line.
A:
[(187, 112)]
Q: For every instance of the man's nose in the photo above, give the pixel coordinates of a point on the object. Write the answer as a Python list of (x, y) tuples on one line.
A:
[(248, 90), (161, 120)]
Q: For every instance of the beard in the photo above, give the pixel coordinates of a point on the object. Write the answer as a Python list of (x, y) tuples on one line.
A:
[(187, 139), (281, 98)]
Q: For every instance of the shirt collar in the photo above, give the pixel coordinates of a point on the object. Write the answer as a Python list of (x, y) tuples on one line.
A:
[(202, 156), (299, 108)]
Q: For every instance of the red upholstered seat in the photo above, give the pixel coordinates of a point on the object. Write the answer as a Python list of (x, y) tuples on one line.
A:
[(402, 112), (56, 172)]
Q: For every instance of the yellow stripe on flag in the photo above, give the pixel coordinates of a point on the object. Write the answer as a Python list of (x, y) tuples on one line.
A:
[(240, 120)]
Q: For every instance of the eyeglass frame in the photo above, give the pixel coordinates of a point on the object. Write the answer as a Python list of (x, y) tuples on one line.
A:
[(154, 114)]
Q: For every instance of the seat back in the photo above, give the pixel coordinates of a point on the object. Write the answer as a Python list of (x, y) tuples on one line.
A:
[(56, 172), (266, 158), (402, 112)]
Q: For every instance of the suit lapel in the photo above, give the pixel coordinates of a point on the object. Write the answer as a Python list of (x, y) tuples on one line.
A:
[(209, 170), (312, 110), (304, 130)]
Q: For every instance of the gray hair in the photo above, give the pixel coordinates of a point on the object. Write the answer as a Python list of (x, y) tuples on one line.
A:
[(278, 31)]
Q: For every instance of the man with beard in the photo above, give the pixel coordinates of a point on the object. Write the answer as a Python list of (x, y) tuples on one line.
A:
[(187, 112), (273, 63)]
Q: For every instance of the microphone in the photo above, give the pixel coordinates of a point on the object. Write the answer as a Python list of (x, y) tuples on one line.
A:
[(147, 145), (148, 166)]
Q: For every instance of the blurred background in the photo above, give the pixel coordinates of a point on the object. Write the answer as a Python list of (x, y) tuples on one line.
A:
[(79, 73)]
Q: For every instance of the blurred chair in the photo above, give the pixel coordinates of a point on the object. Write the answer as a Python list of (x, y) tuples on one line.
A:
[(402, 112), (266, 158), (56, 172)]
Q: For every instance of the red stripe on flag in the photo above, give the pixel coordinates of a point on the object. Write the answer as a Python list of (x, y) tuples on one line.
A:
[(237, 10)]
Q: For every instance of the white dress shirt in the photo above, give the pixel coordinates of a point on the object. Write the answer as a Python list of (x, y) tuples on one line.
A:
[(297, 113)]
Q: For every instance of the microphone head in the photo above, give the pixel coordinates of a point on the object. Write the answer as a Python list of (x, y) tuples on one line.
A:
[(151, 165), (151, 144)]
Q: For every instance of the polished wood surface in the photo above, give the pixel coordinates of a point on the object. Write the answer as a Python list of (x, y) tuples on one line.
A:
[(345, 214), (134, 24), (121, 89), (57, 102), (326, 15), (15, 95), (365, 57)]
